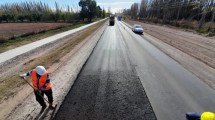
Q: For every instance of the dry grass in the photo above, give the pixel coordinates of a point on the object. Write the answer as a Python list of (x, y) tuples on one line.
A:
[(13, 81), (9, 30), (31, 37)]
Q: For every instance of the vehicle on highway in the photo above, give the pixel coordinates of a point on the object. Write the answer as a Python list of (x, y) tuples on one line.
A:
[(111, 20), (137, 29), (119, 18)]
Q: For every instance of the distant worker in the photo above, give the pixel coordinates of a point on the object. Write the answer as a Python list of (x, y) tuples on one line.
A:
[(198, 116), (41, 85)]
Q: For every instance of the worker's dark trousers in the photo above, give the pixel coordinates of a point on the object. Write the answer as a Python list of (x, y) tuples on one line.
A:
[(40, 98)]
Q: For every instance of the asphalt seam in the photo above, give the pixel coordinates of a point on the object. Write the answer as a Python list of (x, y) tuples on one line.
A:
[(135, 69)]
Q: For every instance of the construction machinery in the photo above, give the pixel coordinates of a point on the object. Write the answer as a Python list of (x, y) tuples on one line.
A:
[(111, 20)]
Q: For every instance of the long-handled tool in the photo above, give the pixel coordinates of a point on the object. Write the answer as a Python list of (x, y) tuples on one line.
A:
[(37, 92)]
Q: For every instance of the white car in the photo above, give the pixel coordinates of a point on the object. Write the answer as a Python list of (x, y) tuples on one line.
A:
[(137, 29)]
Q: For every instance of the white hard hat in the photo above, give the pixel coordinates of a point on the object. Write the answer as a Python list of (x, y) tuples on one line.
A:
[(40, 70)]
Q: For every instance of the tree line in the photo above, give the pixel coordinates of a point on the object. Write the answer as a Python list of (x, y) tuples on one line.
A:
[(41, 12), (89, 10), (166, 11)]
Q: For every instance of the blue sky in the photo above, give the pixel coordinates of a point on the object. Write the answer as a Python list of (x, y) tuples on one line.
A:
[(113, 4)]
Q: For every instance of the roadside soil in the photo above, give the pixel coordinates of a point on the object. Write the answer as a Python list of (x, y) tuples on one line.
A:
[(55, 57), (8, 30), (194, 52)]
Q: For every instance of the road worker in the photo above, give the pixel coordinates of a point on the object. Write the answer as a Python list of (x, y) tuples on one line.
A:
[(41, 84)]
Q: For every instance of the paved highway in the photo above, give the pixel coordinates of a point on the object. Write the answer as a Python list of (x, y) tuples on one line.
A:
[(121, 69), (108, 86)]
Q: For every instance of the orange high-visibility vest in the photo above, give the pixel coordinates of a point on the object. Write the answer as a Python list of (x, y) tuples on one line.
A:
[(41, 82)]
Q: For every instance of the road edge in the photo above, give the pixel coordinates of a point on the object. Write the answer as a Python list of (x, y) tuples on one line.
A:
[(80, 69)]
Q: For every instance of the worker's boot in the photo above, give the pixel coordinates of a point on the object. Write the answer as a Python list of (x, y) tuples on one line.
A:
[(51, 106), (44, 107)]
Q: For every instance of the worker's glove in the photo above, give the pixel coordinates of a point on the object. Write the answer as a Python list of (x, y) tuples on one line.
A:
[(23, 75), (39, 92), (41, 89)]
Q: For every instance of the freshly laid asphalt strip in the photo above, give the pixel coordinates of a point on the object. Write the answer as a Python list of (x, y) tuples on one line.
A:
[(108, 87)]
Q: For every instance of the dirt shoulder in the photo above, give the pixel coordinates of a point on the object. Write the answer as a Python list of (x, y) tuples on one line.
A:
[(53, 56), (194, 52)]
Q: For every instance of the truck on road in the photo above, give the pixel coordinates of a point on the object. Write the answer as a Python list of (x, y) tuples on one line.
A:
[(119, 18), (111, 20)]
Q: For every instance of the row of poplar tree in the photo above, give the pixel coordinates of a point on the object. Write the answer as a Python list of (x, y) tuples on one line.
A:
[(174, 10), (41, 12)]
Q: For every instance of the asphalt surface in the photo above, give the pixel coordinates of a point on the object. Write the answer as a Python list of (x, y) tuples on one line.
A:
[(123, 66), (108, 87), (172, 90)]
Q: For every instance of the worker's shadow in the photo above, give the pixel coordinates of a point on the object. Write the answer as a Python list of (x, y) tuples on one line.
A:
[(43, 113)]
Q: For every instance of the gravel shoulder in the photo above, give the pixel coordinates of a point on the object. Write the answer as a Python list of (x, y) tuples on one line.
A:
[(22, 101), (192, 51)]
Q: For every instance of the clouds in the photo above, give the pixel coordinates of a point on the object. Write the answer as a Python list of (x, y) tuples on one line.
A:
[(115, 6)]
